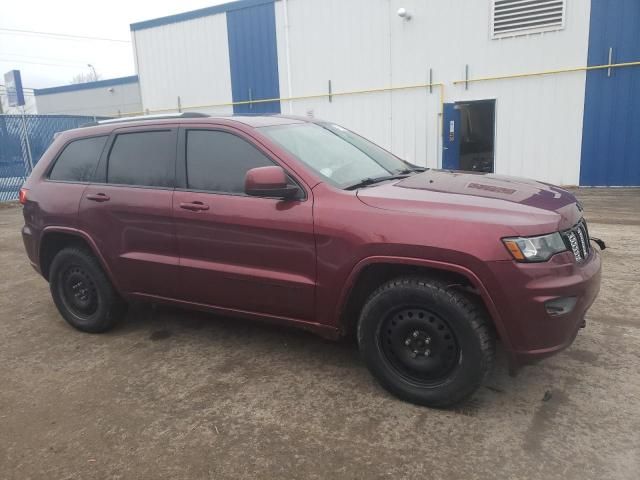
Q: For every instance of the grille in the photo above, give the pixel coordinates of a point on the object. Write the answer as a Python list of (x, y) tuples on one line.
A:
[(515, 17), (577, 239)]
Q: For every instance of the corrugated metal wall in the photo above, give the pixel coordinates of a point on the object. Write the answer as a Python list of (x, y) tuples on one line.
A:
[(104, 99), (347, 43), (253, 58), (188, 59), (363, 44), (611, 143)]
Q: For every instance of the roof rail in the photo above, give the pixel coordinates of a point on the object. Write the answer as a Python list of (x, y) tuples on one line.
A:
[(167, 116)]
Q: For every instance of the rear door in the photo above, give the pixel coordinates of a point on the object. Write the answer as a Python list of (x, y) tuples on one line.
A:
[(127, 209), (236, 251)]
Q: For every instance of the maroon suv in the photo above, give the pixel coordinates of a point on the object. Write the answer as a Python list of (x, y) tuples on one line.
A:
[(305, 223)]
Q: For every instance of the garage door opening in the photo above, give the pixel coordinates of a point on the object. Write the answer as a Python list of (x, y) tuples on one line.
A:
[(469, 136)]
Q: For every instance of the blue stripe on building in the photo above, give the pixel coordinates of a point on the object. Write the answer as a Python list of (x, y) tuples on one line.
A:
[(610, 139), (253, 58)]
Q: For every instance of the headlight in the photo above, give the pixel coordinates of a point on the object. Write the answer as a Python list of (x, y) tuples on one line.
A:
[(535, 249)]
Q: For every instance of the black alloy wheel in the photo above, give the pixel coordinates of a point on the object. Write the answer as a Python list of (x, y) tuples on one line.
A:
[(82, 291), (426, 341), (78, 291), (419, 345)]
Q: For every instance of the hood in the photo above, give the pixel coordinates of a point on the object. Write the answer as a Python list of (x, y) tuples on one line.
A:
[(527, 206)]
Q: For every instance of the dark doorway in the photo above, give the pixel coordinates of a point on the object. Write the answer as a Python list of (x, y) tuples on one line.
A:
[(469, 136)]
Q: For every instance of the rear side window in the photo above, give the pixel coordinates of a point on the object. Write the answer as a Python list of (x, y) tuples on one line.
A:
[(78, 160), (144, 158), (218, 161)]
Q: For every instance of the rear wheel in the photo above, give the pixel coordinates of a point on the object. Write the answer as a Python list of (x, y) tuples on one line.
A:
[(424, 342), (82, 292)]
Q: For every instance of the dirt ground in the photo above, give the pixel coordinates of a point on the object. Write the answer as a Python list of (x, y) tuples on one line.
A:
[(174, 394)]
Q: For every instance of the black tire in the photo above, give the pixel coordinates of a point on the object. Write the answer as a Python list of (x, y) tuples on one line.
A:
[(82, 292), (426, 343)]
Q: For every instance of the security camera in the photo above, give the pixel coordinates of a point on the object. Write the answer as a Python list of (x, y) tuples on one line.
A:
[(402, 13)]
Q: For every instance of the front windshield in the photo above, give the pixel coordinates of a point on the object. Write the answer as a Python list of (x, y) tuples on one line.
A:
[(338, 155)]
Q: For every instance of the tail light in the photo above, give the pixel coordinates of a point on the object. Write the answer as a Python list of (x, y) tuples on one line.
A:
[(23, 196)]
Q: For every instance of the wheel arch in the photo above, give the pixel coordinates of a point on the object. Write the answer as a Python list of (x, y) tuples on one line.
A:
[(54, 239), (372, 272)]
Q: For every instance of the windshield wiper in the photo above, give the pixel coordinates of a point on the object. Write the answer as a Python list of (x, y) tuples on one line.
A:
[(413, 170), (370, 181)]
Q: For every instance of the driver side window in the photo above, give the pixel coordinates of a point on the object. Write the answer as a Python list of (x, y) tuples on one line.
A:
[(218, 161)]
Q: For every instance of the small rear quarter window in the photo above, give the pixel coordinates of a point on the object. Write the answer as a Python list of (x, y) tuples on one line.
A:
[(78, 160)]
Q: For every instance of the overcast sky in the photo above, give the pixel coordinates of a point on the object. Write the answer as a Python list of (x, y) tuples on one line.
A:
[(46, 61)]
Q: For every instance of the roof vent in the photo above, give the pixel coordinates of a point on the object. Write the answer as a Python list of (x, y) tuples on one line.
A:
[(520, 17)]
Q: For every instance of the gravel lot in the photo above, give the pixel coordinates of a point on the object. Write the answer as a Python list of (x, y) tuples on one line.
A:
[(174, 394)]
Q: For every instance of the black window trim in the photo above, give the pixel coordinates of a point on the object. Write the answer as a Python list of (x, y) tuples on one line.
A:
[(103, 164), (181, 168), (52, 164)]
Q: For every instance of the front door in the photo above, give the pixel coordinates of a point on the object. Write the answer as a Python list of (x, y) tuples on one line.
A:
[(127, 210), (451, 137), (239, 252)]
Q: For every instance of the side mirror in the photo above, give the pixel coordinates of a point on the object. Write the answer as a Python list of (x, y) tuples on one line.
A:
[(269, 182)]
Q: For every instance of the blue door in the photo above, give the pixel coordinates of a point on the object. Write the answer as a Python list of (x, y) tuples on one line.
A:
[(451, 137), (610, 139), (253, 58)]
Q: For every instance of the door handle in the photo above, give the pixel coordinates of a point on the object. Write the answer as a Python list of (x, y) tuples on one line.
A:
[(194, 206), (98, 197)]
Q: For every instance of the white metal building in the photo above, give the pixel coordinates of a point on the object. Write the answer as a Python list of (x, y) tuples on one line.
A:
[(112, 97), (419, 77)]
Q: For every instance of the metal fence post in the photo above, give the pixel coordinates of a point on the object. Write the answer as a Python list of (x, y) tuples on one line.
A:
[(26, 141)]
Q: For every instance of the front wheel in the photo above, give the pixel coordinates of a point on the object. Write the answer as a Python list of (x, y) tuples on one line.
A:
[(424, 342)]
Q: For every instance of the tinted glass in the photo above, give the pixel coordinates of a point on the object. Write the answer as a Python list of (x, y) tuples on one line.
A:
[(78, 160), (218, 161), (145, 158)]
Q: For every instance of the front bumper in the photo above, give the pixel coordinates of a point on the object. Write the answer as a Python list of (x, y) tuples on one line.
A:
[(524, 288)]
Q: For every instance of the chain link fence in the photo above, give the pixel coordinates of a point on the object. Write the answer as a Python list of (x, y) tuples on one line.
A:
[(23, 140)]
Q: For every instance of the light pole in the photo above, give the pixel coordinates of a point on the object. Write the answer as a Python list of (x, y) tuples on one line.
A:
[(95, 75)]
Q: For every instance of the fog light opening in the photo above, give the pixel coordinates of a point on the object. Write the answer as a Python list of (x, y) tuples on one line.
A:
[(560, 306)]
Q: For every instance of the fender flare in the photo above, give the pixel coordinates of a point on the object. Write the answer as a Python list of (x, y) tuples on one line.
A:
[(434, 265), (87, 239)]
